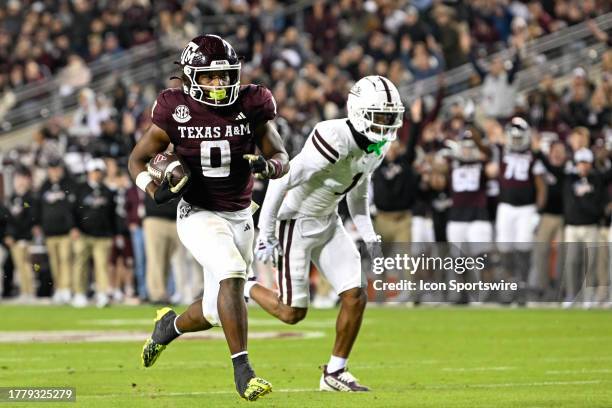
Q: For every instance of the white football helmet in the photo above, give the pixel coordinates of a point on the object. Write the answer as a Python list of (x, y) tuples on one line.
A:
[(375, 108), (518, 134)]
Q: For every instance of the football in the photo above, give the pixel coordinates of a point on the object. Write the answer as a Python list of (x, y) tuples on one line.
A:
[(164, 163)]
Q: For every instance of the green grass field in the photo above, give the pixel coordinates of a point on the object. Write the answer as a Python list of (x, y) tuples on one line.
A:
[(441, 357)]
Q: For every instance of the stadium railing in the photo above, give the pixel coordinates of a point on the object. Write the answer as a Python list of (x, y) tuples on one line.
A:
[(537, 53), (529, 78)]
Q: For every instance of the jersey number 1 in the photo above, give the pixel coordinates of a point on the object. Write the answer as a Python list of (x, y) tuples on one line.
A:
[(215, 158)]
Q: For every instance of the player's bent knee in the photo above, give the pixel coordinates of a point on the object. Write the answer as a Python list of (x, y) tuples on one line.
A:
[(232, 284), (293, 315), (355, 297)]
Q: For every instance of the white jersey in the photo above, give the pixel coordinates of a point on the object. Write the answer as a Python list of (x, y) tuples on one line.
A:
[(330, 165)]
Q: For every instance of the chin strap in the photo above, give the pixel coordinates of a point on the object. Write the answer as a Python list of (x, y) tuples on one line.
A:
[(376, 147)]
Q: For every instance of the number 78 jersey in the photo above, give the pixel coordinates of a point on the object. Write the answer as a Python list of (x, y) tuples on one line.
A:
[(212, 141), (517, 171)]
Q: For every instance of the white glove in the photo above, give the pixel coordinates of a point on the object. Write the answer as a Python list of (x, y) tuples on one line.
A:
[(375, 250), (268, 249)]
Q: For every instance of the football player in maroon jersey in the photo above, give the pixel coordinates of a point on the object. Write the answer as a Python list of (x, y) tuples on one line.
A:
[(215, 125), (468, 228), (521, 186)]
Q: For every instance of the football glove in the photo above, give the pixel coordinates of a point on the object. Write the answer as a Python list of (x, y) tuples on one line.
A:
[(167, 192), (262, 168), (374, 249), (267, 250)]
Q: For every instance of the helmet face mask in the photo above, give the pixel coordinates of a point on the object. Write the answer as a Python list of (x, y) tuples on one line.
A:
[(518, 135), (210, 56), (223, 94), (381, 124), (375, 108)]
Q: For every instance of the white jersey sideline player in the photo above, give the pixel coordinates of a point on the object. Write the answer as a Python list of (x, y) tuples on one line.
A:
[(336, 161)]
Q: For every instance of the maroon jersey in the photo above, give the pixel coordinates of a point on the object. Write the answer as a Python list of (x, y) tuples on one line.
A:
[(468, 191), (212, 142), (517, 171)]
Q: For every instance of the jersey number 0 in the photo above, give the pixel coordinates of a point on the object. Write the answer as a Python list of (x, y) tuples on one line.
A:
[(215, 158)]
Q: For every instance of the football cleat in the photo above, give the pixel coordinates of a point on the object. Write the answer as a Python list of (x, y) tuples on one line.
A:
[(163, 333), (256, 387), (340, 380)]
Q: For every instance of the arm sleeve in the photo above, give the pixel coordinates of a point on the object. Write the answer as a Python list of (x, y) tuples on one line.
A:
[(358, 206)]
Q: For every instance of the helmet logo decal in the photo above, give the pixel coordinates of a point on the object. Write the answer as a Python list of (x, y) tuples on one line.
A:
[(189, 53), (181, 114)]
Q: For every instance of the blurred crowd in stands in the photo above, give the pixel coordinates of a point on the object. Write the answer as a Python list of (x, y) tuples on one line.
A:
[(70, 204)]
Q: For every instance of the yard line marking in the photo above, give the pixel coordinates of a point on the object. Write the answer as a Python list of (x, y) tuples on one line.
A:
[(464, 369), (567, 359), (507, 385), (584, 370)]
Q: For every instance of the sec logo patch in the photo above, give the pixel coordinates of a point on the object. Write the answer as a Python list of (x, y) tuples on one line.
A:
[(181, 114)]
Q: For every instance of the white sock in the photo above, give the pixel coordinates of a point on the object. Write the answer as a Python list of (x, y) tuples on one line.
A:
[(176, 328), (247, 288), (239, 354), (336, 363)]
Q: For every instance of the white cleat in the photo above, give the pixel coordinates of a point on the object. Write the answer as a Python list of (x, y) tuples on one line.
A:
[(79, 300), (102, 300), (341, 381)]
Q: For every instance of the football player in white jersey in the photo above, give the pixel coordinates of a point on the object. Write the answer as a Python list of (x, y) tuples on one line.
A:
[(336, 161)]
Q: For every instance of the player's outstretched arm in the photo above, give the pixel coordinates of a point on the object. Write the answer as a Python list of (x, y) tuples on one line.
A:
[(274, 161), (154, 141), (480, 143)]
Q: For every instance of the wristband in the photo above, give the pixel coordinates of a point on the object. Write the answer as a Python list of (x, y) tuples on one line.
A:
[(278, 168), (143, 179)]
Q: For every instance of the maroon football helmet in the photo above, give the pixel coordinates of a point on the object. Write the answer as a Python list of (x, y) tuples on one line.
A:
[(205, 54)]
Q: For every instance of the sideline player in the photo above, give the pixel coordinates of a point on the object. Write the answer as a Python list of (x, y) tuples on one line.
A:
[(468, 228), (214, 124), (336, 161), (521, 181)]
